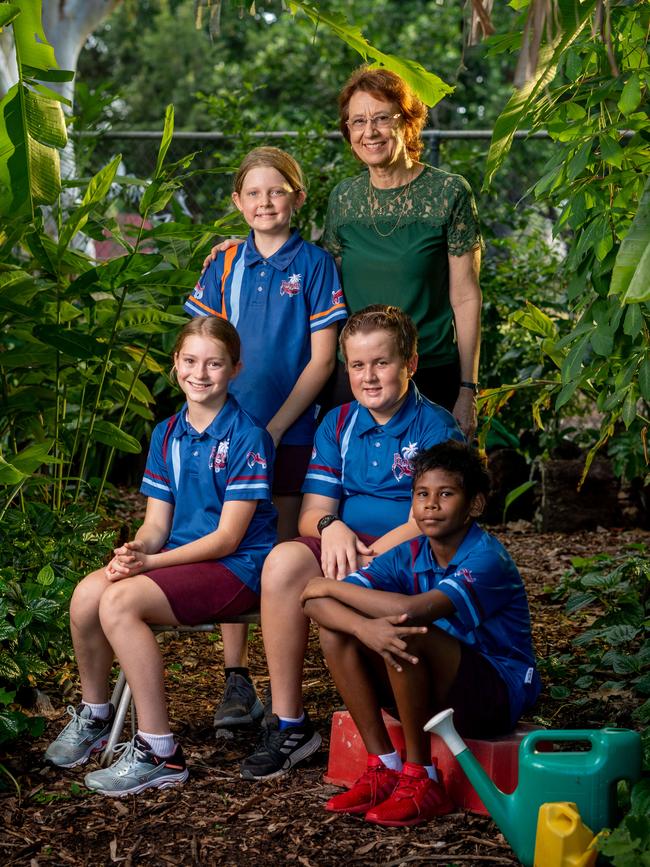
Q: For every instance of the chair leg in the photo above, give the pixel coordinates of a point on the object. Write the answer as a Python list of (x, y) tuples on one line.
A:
[(123, 690)]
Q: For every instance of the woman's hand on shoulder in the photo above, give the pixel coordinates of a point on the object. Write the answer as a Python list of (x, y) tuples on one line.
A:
[(340, 550), (385, 636), (220, 248)]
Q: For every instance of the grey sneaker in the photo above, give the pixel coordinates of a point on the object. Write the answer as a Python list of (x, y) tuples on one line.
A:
[(82, 736), (137, 769), (240, 705)]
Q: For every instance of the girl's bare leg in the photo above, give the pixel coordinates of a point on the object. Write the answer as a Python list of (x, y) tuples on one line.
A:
[(126, 609), (285, 628), (93, 652)]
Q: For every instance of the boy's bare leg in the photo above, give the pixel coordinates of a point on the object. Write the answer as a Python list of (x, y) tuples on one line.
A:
[(285, 628), (420, 690), (93, 652), (126, 609), (358, 674)]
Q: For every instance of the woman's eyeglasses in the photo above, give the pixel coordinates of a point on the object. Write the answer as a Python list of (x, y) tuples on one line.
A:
[(378, 121)]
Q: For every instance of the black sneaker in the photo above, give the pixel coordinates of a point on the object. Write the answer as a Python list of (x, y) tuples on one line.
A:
[(240, 705), (278, 751)]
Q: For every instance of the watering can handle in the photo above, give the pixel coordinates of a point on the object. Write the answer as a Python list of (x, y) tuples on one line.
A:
[(530, 741)]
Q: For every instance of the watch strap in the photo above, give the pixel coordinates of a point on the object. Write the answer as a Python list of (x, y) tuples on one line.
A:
[(325, 521), (473, 386)]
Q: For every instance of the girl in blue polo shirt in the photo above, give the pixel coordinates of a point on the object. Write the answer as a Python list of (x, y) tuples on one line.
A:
[(208, 526), (284, 296)]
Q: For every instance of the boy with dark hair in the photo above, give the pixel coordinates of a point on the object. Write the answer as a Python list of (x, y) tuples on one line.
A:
[(439, 621)]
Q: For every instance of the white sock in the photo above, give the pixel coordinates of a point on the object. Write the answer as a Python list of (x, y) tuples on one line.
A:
[(98, 711), (162, 745), (392, 761), (432, 772)]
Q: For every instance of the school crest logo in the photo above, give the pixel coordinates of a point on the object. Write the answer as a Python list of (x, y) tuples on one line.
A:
[(198, 291), (313, 453), (219, 456), (402, 462), (292, 285), (337, 296), (466, 575), (253, 458)]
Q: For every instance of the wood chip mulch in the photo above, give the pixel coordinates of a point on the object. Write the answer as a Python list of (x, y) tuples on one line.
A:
[(48, 818)]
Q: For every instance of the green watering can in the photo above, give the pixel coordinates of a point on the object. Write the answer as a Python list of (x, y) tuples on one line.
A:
[(582, 766)]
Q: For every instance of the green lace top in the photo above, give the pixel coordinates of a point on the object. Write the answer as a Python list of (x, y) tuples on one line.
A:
[(393, 245)]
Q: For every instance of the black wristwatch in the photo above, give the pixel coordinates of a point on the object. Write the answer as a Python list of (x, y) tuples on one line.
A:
[(325, 521), (473, 386)]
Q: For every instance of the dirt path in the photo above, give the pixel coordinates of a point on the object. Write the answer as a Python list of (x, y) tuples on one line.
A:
[(217, 819)]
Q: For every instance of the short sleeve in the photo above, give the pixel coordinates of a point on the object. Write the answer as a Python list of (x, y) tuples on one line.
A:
[(250, 464), (330, 239), (388, 571), (325, 468), (480, 588), (463, 230), (155, 482), (326, 301), (206, 300)]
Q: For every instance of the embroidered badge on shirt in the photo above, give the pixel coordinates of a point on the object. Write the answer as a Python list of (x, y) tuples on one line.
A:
[(219, 456), (337, 296), (253, 458), (402, 463), (198, 291), (292, 285)]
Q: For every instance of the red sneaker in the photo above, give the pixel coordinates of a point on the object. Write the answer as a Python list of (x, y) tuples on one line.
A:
[(416, 799), (372, 787)]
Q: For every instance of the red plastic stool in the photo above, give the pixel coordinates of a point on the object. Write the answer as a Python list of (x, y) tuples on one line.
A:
[(499, 757)]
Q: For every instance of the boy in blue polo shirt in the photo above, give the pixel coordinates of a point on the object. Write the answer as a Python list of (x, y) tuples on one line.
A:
[(439, 621), (208, 526), (284, 297), (357, 503)]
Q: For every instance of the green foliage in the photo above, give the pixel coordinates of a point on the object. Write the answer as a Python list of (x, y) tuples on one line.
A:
[(611, 595), (42, 556), (32, 125), (586, 93)]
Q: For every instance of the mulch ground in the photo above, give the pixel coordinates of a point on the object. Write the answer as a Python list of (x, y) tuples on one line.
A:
[(48, 818)]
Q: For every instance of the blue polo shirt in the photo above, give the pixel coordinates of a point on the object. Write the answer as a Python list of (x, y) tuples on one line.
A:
[(485, 586), (275, 304), (198, 472), (367, 466)]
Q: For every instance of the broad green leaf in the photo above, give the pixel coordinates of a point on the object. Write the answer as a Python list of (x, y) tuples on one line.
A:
[(96, 190), (566, 393), (108, 433), (521, 102), (633, 322), (639, 288), (611, 151), (8, 11), (168, 132), (641, 798), (72, 343), (46, 576), (428, 86), (33, 456), (629, 407), (156, 196), (630, 96), (602, 340), (32, 48), (535, 320), (630, 254), (9, 475)]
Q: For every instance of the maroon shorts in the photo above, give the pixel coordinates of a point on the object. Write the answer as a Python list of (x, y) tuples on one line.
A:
[(289, 470), (203, 592), (314, 543), (479, 697)]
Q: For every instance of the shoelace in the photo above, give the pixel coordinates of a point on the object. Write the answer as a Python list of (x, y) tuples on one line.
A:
[(234, 687), (128, 753), (74, 726)]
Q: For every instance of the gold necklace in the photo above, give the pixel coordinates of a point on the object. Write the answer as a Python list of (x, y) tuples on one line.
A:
[(375, 205)]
